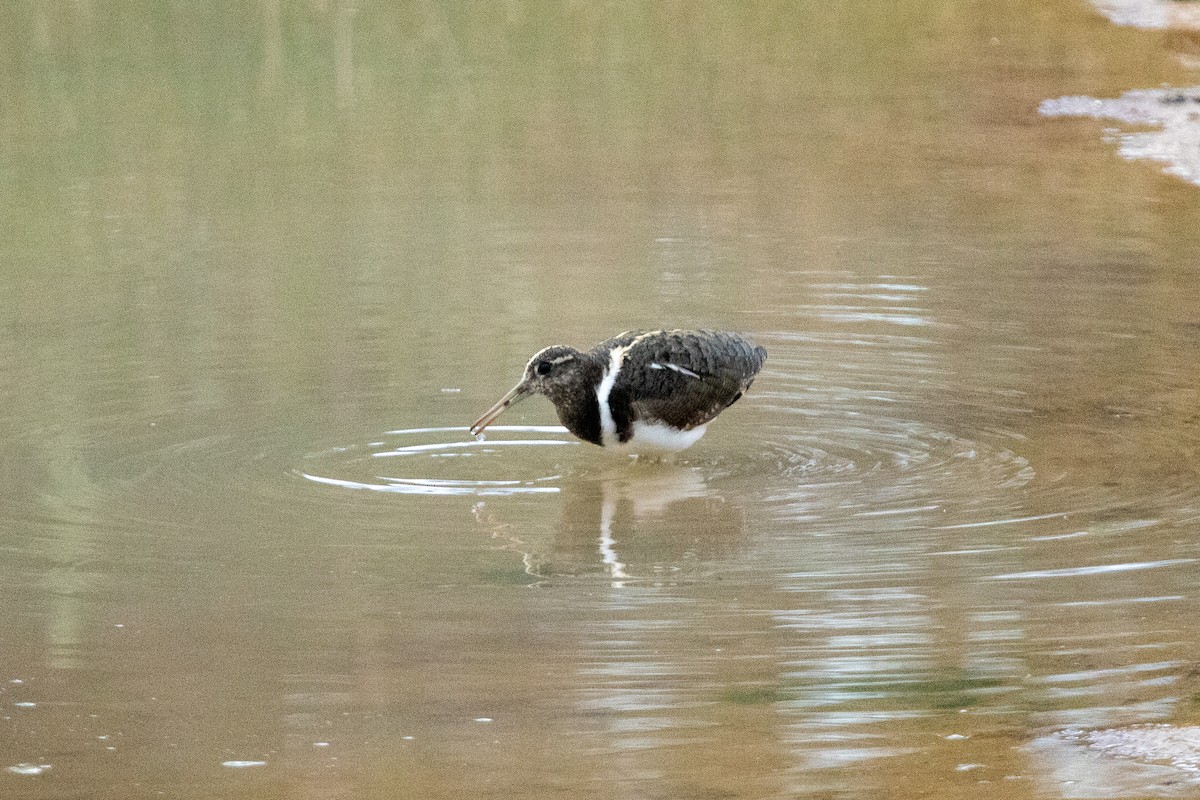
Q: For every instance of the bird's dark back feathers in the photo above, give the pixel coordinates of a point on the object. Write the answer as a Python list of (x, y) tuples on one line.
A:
[(682, 378)]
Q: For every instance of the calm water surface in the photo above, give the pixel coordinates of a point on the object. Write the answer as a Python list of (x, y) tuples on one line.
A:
[(262, 263)]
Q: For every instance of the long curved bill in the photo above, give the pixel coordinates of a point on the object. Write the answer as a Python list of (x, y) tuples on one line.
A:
[(514, 395)]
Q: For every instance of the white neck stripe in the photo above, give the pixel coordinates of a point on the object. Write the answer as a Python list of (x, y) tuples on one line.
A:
[(608, 426)]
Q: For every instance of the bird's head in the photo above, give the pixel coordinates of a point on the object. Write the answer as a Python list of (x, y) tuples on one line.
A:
[(553, 372)]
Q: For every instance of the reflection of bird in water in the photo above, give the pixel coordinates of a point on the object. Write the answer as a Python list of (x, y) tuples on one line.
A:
[(658, 522), (650, 391), (648, 497)]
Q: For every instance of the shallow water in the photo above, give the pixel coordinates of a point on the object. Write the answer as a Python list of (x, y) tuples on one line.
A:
[(264, 263)]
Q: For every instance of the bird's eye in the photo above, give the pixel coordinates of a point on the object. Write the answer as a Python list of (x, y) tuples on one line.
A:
[(542, 368)]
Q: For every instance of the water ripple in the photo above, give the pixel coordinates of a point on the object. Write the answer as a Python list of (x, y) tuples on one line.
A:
[(355, 466), (1099, 569)]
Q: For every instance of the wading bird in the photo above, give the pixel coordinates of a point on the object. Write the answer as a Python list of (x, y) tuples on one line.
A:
[(644, 391)]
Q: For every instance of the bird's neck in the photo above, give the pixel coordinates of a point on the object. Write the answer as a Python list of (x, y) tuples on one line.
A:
[(576, 404)]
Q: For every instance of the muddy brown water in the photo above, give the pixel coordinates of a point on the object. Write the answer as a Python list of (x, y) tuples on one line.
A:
[(263, 263)]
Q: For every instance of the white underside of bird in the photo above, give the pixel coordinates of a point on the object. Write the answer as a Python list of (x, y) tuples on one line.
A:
[(656, 437)]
